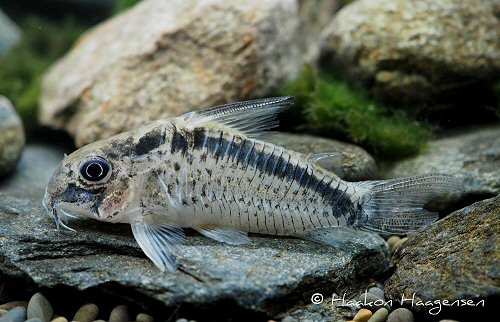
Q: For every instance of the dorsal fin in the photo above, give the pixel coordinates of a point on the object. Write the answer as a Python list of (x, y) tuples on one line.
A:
[(250, 118)]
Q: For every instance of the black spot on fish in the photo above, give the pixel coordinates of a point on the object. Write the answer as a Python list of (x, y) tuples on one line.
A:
[(177, 166), (179, 142), (149, 142), (198, 138)]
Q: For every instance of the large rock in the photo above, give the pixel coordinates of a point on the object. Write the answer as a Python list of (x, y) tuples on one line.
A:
[(11, 136), (10, 34), (455, 258), (473, 156), (416, 51), (165, 58), (267, 276), (353, 164)]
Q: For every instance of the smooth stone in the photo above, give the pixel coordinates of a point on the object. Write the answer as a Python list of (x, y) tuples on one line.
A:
[(447, 320), (17, 314), (392, 241), (354, 164), (380, 315), (10, 305), (288, 319), (33, 320), (2, 312), (10, 33), (12, 137), (414, 52), (39, 307), (143, 317), (399, 243), (472, 155), (100, 321), (86, 313), (372, 301), (182, 320), (252, 49), (102, 252), (378, 292), (119, 314), (400, 315), (455, 258), (62, 319), (363, 315)]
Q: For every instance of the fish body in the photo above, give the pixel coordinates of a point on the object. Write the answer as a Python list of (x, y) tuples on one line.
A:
[(210, 170)]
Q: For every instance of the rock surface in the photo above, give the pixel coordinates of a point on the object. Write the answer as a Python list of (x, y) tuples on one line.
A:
[(11, 136), (267, 276), (354, 164), (415, 51), (455, 258), (10, 34), (473, 156), (165, 58)]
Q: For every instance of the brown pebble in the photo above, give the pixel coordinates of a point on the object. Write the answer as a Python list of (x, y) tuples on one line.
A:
[(399, 243), (446, 320), (143, 317), (363, 315), (10, 305), (119, 314), (86, 313), (60, 319), (392, 241), (380, 315)]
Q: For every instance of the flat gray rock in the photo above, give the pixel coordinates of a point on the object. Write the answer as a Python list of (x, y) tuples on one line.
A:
[(267, 276), (473, 156)]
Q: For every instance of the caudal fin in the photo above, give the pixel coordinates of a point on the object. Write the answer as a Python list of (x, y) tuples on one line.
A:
[(396, 206)]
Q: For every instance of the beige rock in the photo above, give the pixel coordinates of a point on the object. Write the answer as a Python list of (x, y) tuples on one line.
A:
[(414, 51), (164, 58), (12, 137)]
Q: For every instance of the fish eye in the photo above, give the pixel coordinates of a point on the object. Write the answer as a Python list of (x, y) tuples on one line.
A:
[(95, 169)]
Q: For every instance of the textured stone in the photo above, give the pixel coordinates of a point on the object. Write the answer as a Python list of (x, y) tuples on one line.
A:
[(473, 156), (10, 34), (265, 277), (165, 58), (11, 136), (415, 51), (454, 258), (355, 163)]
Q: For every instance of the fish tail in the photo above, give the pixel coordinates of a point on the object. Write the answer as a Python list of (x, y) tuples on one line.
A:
[(396, 206)]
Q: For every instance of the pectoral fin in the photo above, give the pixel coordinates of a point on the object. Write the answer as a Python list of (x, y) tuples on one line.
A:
[(159, 241), (232, 237)]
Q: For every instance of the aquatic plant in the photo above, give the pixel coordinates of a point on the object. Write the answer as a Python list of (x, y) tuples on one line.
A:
[(22, 67), (334, 108)]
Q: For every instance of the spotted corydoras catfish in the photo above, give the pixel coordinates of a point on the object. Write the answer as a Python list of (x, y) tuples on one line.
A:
[(208, 170)]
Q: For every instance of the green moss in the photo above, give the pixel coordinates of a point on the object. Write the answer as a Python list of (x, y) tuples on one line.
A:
[(334, 108), (22, 67), (125, 4)]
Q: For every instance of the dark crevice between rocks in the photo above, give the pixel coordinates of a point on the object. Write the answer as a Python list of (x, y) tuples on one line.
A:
[(464, 201)]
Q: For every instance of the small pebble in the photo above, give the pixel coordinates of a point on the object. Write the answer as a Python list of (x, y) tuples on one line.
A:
[(377, 292), (98, 321), (86, 313), (182, 320), (400, 315), (17, 314), (119, 314), (288, 319), (392, 241), (372, 301), (143, 317), (446, 320), (399, 243), (380, 315), (60, 319), (363, 315), (10, 305), (2, 312), (39, 307), (33, 320)]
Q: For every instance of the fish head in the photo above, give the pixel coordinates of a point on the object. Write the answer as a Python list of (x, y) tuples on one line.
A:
[(92, 182)]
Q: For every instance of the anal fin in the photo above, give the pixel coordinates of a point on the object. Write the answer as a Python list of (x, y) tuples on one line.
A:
[(159, 241), (232, 237)]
